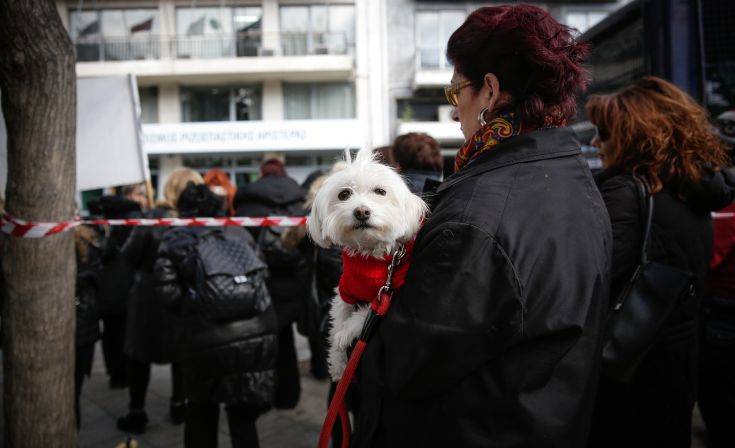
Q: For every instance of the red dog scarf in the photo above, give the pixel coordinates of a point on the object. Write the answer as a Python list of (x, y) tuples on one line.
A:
[(363, 276)]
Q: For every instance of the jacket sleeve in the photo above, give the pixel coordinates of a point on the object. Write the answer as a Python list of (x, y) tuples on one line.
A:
[(460, 307), (170, 270), (135, 246), (623, 206)]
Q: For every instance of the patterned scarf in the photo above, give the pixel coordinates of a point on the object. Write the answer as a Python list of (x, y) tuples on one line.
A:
[(501, 128)]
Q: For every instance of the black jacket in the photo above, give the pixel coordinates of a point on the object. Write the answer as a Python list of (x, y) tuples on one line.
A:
[(152, 334), (288, 281), (116, 277), (494, 339), (415, 179), (232, 362), (87, 286), (655, 407)]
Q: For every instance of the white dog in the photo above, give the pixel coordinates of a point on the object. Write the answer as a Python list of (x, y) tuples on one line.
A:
[(367, 209)]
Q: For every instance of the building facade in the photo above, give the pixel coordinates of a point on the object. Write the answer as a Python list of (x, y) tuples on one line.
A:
[(223, 82)]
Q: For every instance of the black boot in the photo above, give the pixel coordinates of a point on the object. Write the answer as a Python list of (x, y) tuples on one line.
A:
[(177, 410), (134, 423)]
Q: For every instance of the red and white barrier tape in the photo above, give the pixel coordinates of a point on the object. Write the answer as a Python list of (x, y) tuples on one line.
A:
[(27, 229)]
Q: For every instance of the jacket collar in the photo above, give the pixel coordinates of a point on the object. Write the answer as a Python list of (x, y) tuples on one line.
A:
[(537, 145)]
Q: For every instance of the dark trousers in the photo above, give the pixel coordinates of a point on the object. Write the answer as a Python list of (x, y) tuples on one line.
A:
[(717, 372), (655, 410), (139, 376), (82, 366), (113, 341), (202, 424), (318, 349), (288, 388)]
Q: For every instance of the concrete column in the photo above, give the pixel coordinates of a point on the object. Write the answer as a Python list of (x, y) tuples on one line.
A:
[(167, 27), (273, 100), (169, 104), (166, 164), (271, 26), (371, 83)]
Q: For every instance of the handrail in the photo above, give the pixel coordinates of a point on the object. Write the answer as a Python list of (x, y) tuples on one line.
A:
[(237, 44)]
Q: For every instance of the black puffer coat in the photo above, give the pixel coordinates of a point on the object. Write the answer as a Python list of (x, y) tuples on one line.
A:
[(152, 334), (494, 339), (288, 281), (231, 363), (116, 277), (656, 408), (87, 286)]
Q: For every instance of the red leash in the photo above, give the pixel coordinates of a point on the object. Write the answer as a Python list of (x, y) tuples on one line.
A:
[(337, 408)]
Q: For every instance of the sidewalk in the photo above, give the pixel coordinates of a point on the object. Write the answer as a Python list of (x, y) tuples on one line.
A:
[(297, 428), (101, 407)]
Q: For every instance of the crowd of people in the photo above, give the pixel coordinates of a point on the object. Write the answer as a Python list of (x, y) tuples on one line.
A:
[(506, 331), (141, 284)]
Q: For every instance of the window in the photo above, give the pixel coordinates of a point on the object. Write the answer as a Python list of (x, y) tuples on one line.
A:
[(221, 103), (433, 29), (319, 101), (317, 29), (148, 104), (584, 20), (115, 34), (218, 32)]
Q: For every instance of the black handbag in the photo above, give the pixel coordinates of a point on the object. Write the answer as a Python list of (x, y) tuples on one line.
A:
[(643, 306)]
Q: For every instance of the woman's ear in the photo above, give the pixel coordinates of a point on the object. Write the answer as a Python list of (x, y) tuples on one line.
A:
[(491, 90)]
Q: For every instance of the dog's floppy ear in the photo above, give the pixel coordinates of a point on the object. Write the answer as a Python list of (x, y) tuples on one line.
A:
[(314, 225), (415, 212)]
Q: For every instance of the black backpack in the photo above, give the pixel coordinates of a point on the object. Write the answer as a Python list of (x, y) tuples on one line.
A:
[(229, 278)]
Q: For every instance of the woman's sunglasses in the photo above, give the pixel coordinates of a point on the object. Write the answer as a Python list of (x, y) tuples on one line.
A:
[(452, 91)]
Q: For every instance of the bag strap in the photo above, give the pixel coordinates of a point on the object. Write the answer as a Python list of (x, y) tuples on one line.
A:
[(646, 203)]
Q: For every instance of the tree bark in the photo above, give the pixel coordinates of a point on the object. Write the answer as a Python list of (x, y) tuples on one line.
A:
[(38, 84)]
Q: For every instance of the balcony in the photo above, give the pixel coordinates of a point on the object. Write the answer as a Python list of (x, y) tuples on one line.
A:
[(233, 45), (219, 58)]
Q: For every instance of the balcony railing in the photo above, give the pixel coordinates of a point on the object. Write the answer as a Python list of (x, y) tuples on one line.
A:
[(233, 45)]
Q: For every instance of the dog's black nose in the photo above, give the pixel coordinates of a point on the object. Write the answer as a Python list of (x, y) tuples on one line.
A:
[(362, 213)]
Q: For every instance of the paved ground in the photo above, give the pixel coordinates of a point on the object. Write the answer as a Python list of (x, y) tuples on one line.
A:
[(277, 429), (297, 428)]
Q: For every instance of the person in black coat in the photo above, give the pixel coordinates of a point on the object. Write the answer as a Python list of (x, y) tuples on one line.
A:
[(86, 243), (655, 132), (116, 279), (494, 339), (276, 194), (231, 362), (152, 335), (419, 160)]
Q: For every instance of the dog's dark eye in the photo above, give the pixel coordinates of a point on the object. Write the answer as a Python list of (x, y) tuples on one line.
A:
[(344, 195), (379, 191)]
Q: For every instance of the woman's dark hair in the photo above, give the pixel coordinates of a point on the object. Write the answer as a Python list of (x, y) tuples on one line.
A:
[(272, 167), (536, 59), (655, 131), (417, 151), (198, 200)]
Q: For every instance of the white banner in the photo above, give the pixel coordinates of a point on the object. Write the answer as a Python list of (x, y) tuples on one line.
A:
[(108, 139), (287, 135)]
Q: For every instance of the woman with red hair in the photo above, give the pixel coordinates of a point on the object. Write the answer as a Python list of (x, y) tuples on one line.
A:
[(494, 338), (219, 182), (654, 132)]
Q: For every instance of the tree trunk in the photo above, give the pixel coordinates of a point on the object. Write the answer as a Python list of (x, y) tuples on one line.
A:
[(38, 83)]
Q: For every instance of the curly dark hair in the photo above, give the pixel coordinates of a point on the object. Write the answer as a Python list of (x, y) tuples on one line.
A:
[(536, 59), (417, 151)]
